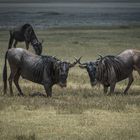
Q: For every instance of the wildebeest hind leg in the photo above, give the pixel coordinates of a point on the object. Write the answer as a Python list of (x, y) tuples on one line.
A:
[(131, 79), (11, 40), (11, 77), (15, 43), (27, 45), (16, 79), (10, 83)]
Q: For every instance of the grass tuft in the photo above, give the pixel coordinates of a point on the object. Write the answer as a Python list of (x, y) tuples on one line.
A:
[(24, 137)]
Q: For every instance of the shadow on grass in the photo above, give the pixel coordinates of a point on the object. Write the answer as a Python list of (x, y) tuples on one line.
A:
[(130, 93), (135, 93), (37, 94), (24, 137)]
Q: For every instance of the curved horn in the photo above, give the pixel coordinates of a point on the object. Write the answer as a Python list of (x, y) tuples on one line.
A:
[(75, 62), (101, 57), (82, 64)]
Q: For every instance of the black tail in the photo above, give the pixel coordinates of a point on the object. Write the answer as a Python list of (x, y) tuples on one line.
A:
[(10, 40), (5, 74)]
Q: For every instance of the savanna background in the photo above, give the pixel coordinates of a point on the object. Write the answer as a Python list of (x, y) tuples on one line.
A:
[(78, 112)]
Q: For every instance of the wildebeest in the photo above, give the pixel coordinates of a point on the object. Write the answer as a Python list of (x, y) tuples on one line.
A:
[(109, 70), (45, 70), (25, 34)]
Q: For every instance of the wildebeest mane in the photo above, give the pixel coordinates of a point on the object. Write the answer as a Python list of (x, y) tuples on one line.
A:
[(29, 33), (38, 67), (107, 66), (31, 37)]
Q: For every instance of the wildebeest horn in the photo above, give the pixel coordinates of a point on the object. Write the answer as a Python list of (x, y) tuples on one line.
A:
[(75, 62), (82, 65), (101, 57)]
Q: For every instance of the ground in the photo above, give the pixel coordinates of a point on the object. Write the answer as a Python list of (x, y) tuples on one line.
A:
[(79, 111)]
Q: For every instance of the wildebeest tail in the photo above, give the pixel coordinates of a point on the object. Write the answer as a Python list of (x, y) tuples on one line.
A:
[(5, 74), (10, 40)]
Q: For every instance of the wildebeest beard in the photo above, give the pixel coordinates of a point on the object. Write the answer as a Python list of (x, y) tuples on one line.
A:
[(107, 66)]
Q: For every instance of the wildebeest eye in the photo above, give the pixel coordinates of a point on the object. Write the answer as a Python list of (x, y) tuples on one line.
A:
[(96, 64)]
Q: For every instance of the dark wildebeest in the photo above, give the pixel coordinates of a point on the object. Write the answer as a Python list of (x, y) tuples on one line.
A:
[(109, 70), (25, 34), (45, 70)]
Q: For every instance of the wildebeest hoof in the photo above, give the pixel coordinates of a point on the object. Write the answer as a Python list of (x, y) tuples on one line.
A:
[(125, 93), (20, 94), (108, 94)]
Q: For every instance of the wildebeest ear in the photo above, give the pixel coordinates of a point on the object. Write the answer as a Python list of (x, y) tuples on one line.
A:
[(101, 57)]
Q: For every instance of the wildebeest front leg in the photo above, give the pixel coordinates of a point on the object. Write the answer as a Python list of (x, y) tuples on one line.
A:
[(27, 45), (48, 89), (131, 79), (112, 87), (105, 89), (47, 82)]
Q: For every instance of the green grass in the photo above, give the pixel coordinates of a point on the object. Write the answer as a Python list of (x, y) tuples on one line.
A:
[(78, 112)]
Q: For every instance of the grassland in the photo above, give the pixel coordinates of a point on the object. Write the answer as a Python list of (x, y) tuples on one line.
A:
[(78, 112)]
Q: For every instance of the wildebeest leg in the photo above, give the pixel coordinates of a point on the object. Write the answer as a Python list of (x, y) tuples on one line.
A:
[(27, 45), (16, 79), (48, 90), (112, 87), (47, 82), (105, 89), (11, 40), (138, 70), (10, 83), (131, 79), (15, 43), (11, 77)]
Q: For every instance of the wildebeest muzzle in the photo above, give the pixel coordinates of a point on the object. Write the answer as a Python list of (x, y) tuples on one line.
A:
[(63, 79)]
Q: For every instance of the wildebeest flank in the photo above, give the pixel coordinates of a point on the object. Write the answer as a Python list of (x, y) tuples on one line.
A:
[(45, 70), (109, 70), (25, 34)]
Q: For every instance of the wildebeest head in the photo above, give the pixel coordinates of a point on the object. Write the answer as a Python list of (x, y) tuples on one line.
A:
[(91, 69), (63, 70), (38, 47)]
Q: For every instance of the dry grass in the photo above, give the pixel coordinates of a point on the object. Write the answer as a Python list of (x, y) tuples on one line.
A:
[(78, 112)]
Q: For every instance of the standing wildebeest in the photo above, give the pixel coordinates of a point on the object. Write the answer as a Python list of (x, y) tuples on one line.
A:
[(109, 70), (27, 34), (45, 70)]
